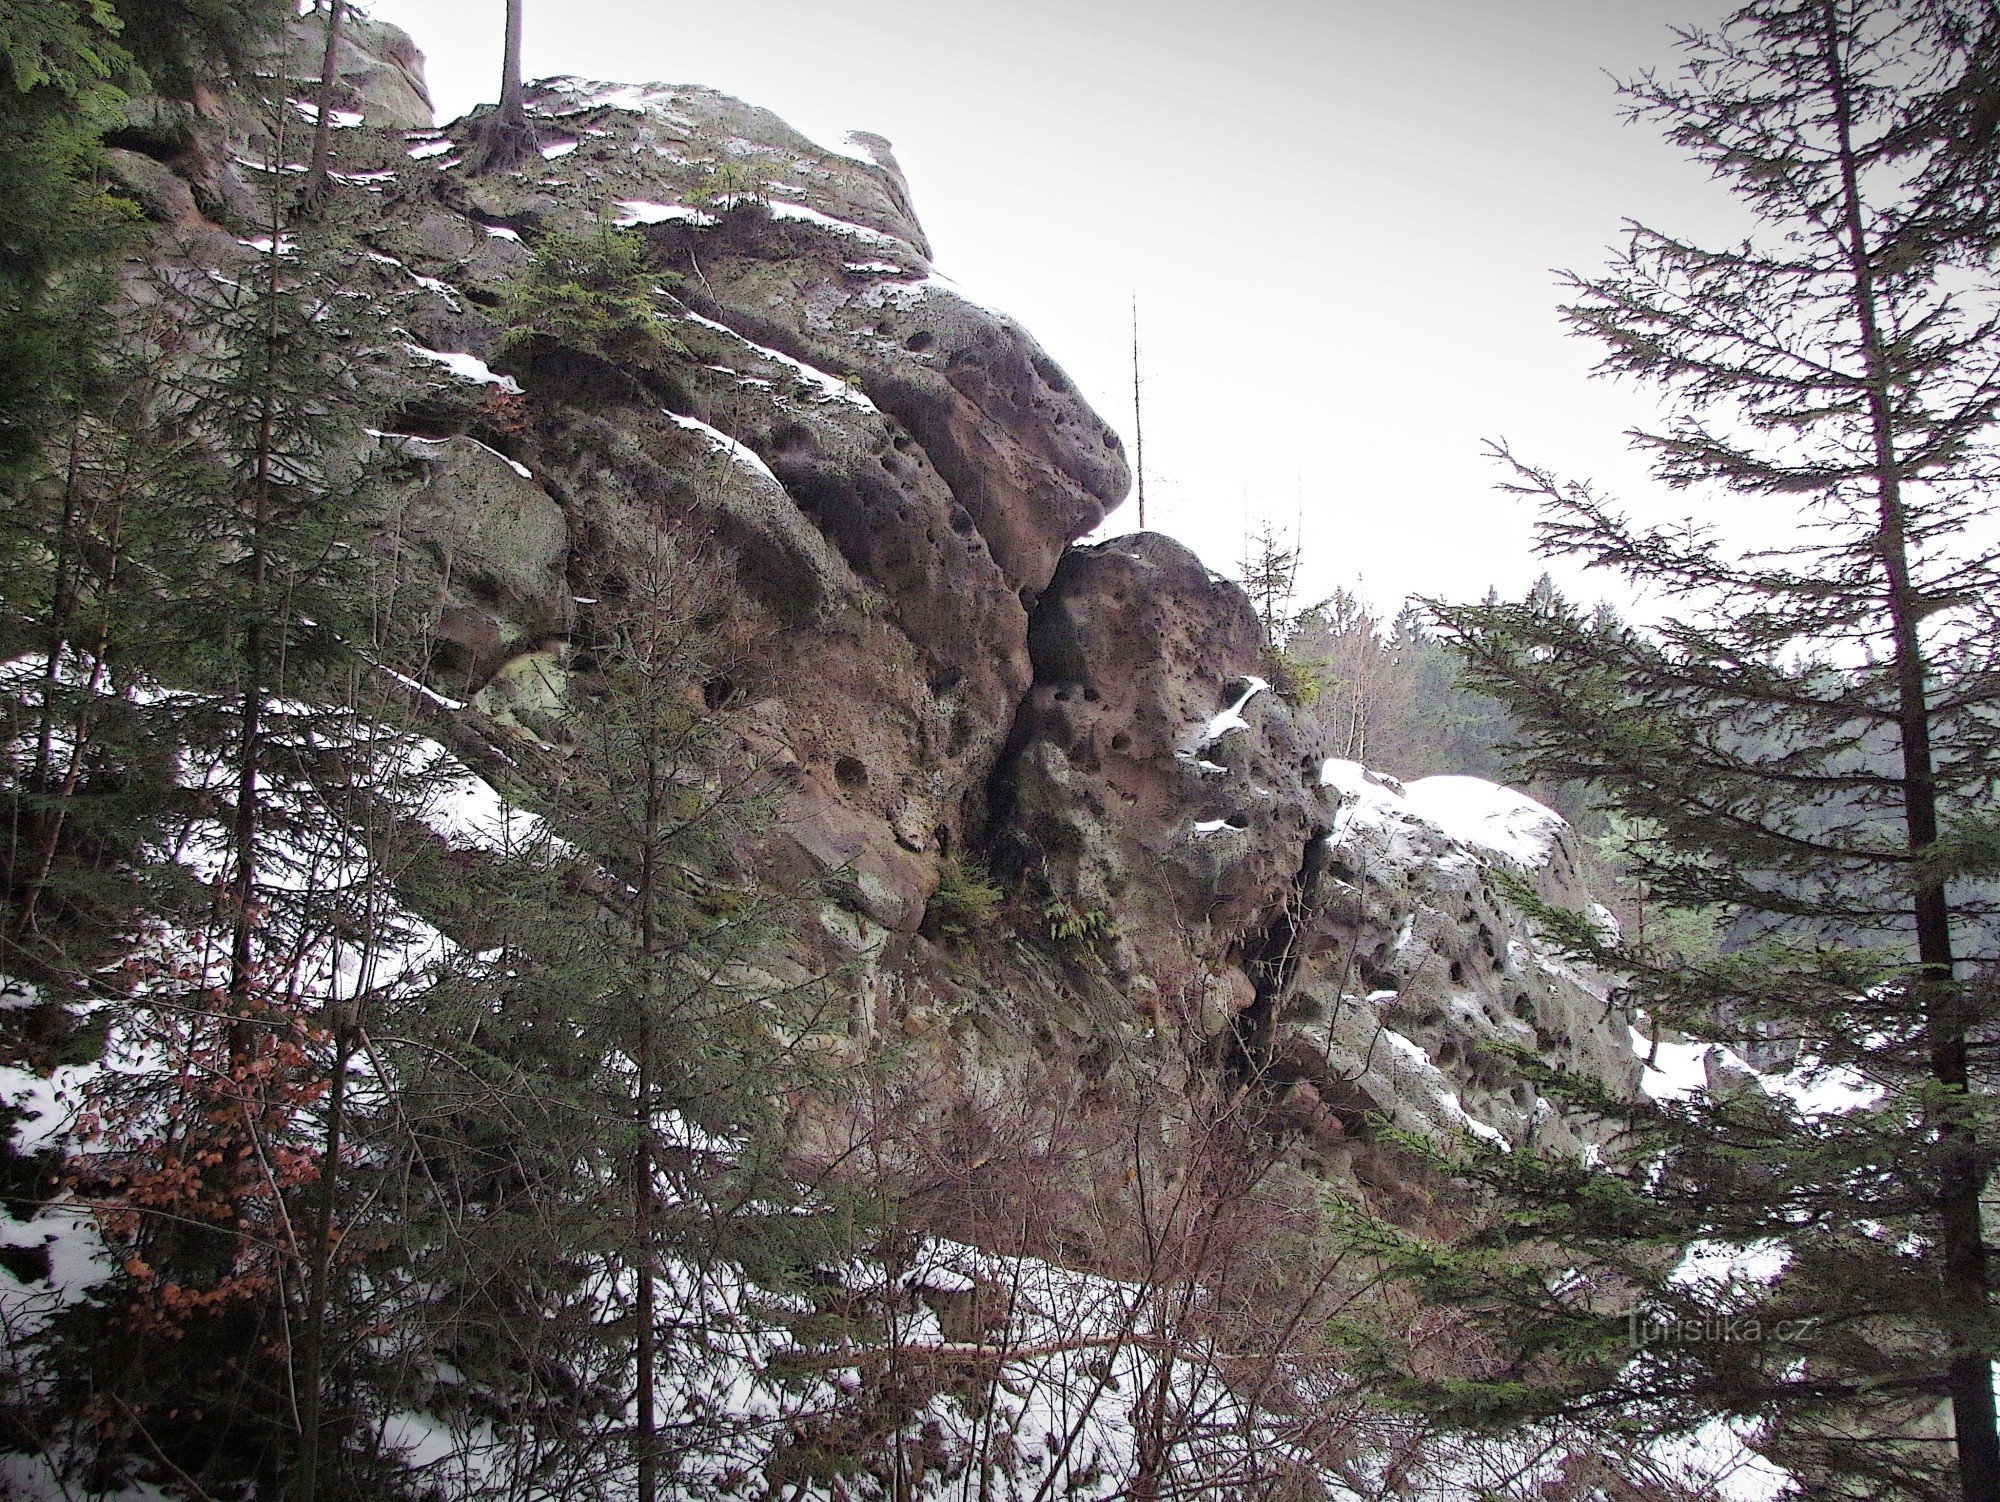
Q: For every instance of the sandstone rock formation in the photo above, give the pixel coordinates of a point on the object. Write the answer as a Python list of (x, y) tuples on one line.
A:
[(897, 476), (1354, 938)]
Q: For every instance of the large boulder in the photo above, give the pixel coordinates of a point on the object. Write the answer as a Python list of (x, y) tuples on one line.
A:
[(379, 70), (1156, 778)]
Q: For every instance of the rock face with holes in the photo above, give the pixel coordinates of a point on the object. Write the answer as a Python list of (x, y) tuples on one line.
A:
[(1348, 939), (1154, 776), (1418, 978), (891, 470), (894, 469)]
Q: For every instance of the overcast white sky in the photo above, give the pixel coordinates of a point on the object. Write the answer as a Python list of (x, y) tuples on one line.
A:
[(1340, 218)]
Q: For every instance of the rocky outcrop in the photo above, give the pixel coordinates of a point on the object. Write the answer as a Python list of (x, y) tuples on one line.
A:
[(1129, 791), (379, 69), (1419, 979), (894, 468), (1353, 939), (893, 478)]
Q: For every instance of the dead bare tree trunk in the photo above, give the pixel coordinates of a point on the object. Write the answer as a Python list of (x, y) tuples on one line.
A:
[(1138, 421)]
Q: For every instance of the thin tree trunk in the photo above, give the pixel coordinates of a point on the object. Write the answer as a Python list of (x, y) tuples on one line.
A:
[(1969, 1378), (645, 1353), (513, 108), (244, 823), (312, 1342), (65, 606), (322, 157), (506, 138), (1138, 421)]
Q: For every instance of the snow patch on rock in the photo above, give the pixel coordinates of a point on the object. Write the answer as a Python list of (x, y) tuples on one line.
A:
[(830, 387), (636, 211), (466, 367), (721, 443)]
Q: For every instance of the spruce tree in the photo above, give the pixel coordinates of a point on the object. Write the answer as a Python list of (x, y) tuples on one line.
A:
[(216, 744), (592, 1098), (1269, 573), (1804, 731), (690, 997), (61, 68)]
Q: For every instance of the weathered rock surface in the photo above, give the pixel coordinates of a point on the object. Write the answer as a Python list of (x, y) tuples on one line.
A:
[(1417, 975), (1130, 790), (380, 70), (895, 469), (489, 543), (1353, 939), (896, 476)]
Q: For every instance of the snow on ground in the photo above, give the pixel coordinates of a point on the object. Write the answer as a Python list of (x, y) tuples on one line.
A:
[(1677, 1070), (338, 120), (423, 690), (846, 145), (429, 283), (311, 852), (632, 98), (908, 294), (1716, 1462), (1367, 798), (582, 95), (1673, 1070), (1822, 1090), (268, 166), (1718, 1264), (36, 1478), (77, 1260), (467, 811)]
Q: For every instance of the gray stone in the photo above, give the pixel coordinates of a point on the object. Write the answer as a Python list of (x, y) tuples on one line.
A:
[(491, 545), (380, 70)]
